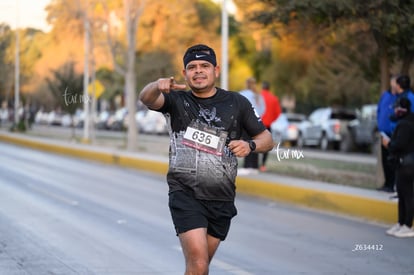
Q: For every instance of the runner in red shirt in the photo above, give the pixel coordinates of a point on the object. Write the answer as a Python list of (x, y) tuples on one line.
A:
[(272, 112)]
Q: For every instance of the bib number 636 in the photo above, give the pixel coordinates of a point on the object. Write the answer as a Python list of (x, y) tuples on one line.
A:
[(201, 137)]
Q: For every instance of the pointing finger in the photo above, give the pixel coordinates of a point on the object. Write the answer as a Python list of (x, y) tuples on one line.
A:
[(176, 86)]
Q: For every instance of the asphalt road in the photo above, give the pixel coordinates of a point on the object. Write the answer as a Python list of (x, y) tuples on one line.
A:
[(60, 215)]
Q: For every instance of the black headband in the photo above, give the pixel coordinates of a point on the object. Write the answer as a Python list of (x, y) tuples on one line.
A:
[(200, 56)]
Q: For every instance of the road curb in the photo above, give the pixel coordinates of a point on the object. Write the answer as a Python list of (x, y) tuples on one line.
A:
[(353, 205)]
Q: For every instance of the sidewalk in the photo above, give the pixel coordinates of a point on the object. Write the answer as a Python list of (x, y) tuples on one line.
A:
[(362, 203)]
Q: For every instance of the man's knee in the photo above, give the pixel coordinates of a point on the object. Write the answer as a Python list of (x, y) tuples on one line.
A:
[(197, 267)]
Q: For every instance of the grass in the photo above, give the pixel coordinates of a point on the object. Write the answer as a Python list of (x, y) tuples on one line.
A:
[(332, 171)]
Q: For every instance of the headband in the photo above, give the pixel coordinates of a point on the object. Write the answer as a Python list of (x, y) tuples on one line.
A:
[(200, 56)]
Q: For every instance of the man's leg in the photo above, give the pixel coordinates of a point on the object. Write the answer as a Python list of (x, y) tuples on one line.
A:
[(401, 203), (251, 160), (213, 244), (263, 164), (389, 171), (198, 249), (405, 197)]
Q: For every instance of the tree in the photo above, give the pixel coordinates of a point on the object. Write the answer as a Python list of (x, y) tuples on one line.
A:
[(29, 53), (66, 87), (6, 65), (115, 27), (124, 54), (151, 65), (162, 31), (133, 11), (112, 81), (390, 22)]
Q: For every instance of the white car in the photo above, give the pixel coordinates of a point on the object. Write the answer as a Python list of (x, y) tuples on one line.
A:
[(41, 117), (116, 121), (4, 115), (54, 118), (151, 122), (285, 128)]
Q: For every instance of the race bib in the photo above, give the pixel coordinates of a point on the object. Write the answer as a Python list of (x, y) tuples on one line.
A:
[(205, 138)]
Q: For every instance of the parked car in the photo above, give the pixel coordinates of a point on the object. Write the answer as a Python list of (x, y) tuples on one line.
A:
[(151, 122), (67, 120), (326, 128), (116, 121), (41, 117), (102, 120), (79, 118), (285, 128), (4, 115), (363, 129), (54, 118)]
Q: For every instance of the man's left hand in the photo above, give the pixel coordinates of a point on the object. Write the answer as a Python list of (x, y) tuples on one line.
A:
[(240, 148)]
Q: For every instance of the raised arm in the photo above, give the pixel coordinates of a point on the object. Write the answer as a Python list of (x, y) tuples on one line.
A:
[(152, 94)]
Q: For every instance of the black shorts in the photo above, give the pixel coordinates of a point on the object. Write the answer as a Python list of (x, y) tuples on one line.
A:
[(189, 213)]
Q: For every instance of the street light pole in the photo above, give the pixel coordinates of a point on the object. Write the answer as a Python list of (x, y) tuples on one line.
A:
[(224, 45), (17, 70), (86, 120)]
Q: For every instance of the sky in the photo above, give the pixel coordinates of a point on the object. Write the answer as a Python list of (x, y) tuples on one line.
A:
[(31, 13), (26, 13)]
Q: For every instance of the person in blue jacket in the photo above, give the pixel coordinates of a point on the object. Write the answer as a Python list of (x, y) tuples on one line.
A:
[(403, 90), (385, 109)]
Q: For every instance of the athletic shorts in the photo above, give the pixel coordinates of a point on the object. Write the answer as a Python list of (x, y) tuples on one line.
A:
[(189, 213)]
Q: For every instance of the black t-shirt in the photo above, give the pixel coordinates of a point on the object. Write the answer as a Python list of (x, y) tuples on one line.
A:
[(402, 142), (207, 175)]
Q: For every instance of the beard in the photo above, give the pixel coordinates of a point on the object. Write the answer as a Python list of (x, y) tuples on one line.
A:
[(201, 87), (203, 90)]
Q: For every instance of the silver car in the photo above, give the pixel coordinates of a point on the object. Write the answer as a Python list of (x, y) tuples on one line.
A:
[(286, 128), (326, 128)]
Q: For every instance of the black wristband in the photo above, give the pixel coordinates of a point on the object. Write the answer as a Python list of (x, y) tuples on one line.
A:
[(252, 145)]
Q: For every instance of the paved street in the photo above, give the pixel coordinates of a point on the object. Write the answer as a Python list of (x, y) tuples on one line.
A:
[(60, 215)]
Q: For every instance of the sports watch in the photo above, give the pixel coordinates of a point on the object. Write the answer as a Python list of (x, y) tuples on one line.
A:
[(252, 145)]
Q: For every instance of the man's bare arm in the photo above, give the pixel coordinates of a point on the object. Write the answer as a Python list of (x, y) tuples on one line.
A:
[(264, 142), (152, 94)]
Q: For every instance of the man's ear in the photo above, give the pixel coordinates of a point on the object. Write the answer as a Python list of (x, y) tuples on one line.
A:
[(217, 70)]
